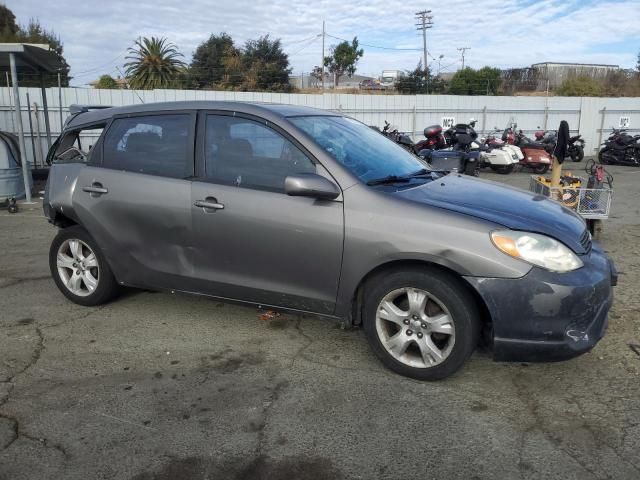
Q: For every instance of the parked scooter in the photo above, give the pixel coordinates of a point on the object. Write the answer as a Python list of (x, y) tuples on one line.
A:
[(620, 148), (535, 154), (575, 146)]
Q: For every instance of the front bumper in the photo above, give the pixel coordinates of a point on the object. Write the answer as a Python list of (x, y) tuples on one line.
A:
[(546, 316)]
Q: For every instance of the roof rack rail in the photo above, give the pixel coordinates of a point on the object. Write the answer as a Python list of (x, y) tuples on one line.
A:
[(75, 109)]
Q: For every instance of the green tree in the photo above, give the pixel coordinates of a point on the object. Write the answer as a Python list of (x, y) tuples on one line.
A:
[(266, 65), (8, 26), (343, 59), (207, 67), (107, 82), (485, 81), (153, 63), (420, 81), (580, 86)]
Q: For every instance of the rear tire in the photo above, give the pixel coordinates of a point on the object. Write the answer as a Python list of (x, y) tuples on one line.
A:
[(472, 169), (579, 156), (541, 169), (503, 169), (79, 268), (601, 158), (421, 323)]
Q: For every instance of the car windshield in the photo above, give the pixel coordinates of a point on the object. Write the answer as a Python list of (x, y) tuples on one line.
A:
[(361, 149)]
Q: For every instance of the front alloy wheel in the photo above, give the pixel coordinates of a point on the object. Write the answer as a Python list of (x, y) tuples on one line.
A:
[(421, 322), (415, 327)]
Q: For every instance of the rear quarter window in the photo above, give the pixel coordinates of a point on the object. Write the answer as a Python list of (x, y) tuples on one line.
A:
[(153, 145), (76, 146)]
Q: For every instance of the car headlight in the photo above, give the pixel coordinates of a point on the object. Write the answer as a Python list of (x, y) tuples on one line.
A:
[(536, 249)]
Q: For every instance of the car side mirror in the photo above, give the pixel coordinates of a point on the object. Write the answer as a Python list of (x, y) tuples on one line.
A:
[(310, 185)]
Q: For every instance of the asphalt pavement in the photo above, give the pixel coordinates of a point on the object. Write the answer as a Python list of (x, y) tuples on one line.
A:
[(161, 386)]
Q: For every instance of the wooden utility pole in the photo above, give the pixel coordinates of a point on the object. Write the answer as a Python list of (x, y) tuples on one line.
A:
[(425, 22), (463, 49), (322, 62)]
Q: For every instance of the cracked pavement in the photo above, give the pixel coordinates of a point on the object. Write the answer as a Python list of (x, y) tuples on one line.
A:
[(160, 386)]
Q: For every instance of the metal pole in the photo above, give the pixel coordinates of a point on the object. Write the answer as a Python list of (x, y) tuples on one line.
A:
[(45, 107), (415, 114), (322, 63), (13, 123), (38, 159), (604, 113), (18, 113), (60, 101), (33, 142)]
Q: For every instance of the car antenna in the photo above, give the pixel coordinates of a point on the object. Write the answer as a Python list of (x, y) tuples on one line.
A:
[(128, 85)]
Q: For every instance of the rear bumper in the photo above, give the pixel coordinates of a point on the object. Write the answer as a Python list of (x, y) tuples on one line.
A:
[(546, 316)]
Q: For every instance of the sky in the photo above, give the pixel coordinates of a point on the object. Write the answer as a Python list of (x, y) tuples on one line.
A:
[(500, 33)]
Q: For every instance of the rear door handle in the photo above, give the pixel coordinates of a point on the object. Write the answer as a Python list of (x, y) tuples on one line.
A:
[(209, 203), (95, 188)]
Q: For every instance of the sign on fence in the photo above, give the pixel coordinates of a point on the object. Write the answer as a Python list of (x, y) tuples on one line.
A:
[(448, 122), (625, 122)]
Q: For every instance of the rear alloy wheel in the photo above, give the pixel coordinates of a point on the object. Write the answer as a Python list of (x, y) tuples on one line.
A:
[(421, 324), (79, 268)]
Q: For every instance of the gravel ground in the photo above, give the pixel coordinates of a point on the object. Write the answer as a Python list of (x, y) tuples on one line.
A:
[(157, 386)]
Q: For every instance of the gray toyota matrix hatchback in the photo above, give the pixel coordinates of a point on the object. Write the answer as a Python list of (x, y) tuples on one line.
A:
[(300, 209)]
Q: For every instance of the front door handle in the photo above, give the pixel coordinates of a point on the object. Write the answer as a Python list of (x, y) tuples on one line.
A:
[(95, 189), (209, 203)]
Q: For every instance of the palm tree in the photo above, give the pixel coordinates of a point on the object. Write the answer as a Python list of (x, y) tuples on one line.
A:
[(153, 63)]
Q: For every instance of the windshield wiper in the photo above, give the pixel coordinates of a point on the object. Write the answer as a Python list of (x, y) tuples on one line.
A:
[(404, 178), (387, 180)]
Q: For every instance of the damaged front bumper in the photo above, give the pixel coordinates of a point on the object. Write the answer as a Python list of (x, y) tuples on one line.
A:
[(546, 316)]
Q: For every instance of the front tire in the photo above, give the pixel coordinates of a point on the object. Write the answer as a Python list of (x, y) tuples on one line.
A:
[(421, 323), (79, 268)]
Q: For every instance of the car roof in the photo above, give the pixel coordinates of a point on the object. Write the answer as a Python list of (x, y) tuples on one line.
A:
[(269, 111)]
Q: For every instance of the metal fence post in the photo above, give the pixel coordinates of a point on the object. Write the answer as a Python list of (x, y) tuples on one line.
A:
[(484, 119), (604, 113), (546, 117), (413, 128), (60, 100)]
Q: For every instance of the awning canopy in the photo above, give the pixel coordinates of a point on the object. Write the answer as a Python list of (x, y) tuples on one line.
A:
[(36, 57)]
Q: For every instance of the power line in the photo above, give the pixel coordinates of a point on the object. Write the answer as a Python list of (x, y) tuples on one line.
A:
[(377, 46)]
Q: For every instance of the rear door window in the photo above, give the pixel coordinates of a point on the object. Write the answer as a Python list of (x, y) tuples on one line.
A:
[(249, 154), (151, 144)]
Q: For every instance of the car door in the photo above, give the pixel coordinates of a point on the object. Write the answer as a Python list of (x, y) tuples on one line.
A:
[(134, 197), (258, 244)]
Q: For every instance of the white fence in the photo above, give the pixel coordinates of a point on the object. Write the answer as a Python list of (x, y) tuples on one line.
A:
[(592, 117)]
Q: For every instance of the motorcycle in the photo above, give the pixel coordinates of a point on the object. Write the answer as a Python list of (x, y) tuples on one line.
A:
[(462, 154), (575, 146), (500, 156), (434, 139), (535, 155), (620, 148)]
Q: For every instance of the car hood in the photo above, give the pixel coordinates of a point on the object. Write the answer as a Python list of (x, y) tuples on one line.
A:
[(511, 207)]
